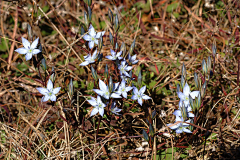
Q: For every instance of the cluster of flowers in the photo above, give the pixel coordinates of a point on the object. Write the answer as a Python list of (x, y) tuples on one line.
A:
[(117, 90), (183, 114), (105, 91)]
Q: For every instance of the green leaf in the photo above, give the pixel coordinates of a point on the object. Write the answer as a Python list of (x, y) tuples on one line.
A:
[(4, 44), (172, 6)]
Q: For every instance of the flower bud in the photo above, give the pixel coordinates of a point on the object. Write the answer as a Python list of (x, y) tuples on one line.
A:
[(111, 38), (100, 43), (94, 73), (139, 79), (204, 66), (89, 14), (110, 15), (106, 71), (123, 49), (116, 23), (70, 88), (44, 66), (196, 79), (132, 47)]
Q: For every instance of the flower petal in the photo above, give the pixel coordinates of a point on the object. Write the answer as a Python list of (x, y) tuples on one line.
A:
[(91, 44), (128, 89), (42, 90), (115, 95), (99, 34), (113, 53), (186, 90), (102, 85), (34, 44), (53, 97), (91, 31), (145, 97), (99, 92), (173, 127), (180, 95), (28, 56), (134, 97), (45, 98), (94, 112), (140, 101), (142, 90), (87, 37), (85, 63), (179, 131), (135, 90), (186, 130), (49, 85), (36, 51), (56, 90), (191, 115), (124, 94), (194, 94), (177, 113), (101, 111), (110, 57), (25, 43), (22, 50)]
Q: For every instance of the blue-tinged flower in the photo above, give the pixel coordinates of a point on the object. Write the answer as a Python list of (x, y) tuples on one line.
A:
[(184, 97), (115, 109), (132, 59), (123, 67), (180, 127), (98, 106), (138, 95), (89, 59), (28, 49), (123, 89), (92, 36), (49, 92), (104, 90), (114, 55)]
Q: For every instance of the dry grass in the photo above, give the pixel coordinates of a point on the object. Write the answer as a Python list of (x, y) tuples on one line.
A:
[(165, 36)]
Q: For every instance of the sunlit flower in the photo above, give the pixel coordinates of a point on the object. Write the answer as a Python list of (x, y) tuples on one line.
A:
[(49, 92), (28, 49), (180, 127), (98, 106), (114, 55), (123, 89), (105, 92), (184, 97), (138, 95), (89, 59), (115, 109), (92, 37), (132, 59), (123, 67)]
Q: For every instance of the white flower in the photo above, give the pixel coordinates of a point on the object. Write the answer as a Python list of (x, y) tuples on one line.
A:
[(98, 106), (132, 59), (123, 89), (92, 36), (104, 90), (28, 49), (49, 92), (180, 127), (138, 95), (114, 56), (89, 59), (124, 68), (115, 109), (184, 97)]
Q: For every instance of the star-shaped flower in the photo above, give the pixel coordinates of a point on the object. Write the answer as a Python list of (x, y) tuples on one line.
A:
[(138, 95), (89, 59), (123, 89), (115, 109), (132, 59), (114, 55), (92, 36), (28, 49), (184, 97), (98, 106), (104, 90), (123, 67), (180, 127), (49, 92)]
